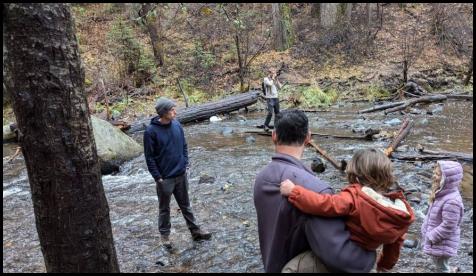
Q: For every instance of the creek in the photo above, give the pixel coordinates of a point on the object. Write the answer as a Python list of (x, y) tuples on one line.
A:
[(227, 164)]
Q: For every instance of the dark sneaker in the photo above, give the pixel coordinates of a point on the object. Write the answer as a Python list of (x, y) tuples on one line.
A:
[(200, 235), (166, 242)]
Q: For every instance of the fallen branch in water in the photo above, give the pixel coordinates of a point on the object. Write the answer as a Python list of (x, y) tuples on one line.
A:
[(341, 166), (402, 133), (434, 157), (367, 136)]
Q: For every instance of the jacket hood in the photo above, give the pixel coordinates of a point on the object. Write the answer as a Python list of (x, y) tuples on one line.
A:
[(155, 121), (451, 173)]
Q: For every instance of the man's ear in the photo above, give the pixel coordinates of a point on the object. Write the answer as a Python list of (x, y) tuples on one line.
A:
[(274, 137), (308, 138)]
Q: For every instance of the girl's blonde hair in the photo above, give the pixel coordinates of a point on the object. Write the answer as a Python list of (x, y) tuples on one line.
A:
[(371, 168)]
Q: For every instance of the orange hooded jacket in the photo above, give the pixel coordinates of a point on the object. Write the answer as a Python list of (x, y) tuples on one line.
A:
[(372, 219)]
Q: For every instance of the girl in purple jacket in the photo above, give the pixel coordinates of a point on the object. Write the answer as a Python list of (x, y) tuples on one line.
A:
[(441, 227)]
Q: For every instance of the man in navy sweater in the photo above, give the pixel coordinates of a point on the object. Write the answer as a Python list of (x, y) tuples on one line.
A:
[(166, 156)]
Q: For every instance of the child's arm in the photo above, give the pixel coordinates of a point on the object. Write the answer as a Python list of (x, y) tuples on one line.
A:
[(319, 204), (390, 255), (451, 216)]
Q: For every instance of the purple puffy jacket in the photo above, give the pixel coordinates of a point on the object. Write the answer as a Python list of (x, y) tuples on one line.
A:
[(441, 227)]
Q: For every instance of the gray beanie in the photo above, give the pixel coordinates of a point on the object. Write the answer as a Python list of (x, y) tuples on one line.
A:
[(163, 106)]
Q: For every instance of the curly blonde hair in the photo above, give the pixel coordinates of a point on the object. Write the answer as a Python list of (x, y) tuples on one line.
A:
[(372, 168)]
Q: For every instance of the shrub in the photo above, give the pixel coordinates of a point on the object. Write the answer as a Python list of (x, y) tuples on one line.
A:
[(313, 96), (373, 92)]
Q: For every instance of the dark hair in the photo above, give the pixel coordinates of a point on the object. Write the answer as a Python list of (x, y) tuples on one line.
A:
[(291, 127), (370, 167)]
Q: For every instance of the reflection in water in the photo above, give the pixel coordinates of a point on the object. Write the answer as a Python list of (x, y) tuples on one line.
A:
[(225, 206)]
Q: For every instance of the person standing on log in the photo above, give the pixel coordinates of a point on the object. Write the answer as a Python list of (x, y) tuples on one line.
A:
[(271, 85), (284, 231), (165, 150)]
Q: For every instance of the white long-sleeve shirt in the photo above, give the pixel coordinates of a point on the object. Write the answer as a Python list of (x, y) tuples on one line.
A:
[(270, 87)]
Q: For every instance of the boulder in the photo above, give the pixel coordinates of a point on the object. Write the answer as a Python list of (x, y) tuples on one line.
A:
[(113, 146), (8, 133)]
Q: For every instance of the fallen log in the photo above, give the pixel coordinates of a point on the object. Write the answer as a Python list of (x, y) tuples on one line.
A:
[(456, 155), (381, 107), (368, 136), (462, 97), (433, 157), (205, 111), (341, 166), (426, 99)]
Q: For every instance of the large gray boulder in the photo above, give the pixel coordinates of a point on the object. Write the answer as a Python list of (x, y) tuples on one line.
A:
[(113, 146)]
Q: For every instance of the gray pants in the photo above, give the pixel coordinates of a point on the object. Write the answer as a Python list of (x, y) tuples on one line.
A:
[(178, 186), (305, 262), (442, 264), (271, 104)]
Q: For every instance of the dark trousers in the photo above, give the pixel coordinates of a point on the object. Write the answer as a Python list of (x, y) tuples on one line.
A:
[(272, 104), (178, 186)]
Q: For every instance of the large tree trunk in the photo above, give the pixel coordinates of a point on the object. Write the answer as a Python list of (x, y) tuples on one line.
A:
[(205, 111), (45, 77), (328, 14), (152, 22), (282, 26), (469, 74)]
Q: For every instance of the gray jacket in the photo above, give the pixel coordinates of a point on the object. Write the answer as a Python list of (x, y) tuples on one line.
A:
[(284, 231)]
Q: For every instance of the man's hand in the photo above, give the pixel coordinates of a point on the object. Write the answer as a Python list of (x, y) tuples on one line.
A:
[(286, 187), (159, 181)]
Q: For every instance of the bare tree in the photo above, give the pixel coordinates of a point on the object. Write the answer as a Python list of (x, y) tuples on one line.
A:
[(469, 73), (241, 30), (46, 79)]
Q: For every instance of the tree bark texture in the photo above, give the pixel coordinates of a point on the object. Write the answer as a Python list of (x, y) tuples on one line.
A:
[(205, 111), (328, 14), (282, 26), (46, 79)]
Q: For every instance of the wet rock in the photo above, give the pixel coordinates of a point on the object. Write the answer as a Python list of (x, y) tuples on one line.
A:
[(215, 119), (317, 165), (206, 179), (435, 110), (358, 128), (227, 131), (414, 197), (414, 111), (246, 223), (393, 122), (250, 139), (418, 164), (422, 122), (413, 243), (403, 148), (225, 187)]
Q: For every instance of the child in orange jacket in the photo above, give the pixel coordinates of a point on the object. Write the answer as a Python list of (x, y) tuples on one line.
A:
[(374, 217)]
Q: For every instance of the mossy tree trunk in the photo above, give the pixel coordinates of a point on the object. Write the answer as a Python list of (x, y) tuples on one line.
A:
[(46, 79), (151, 13), (282, 26)]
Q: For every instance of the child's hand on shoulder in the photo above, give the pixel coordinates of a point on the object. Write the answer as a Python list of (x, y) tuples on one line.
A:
[(286, 187)]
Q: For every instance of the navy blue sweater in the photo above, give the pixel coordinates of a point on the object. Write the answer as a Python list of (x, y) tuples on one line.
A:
[(165, 149)]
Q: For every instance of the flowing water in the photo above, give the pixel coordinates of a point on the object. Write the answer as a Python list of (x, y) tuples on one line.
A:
[(224, 204)]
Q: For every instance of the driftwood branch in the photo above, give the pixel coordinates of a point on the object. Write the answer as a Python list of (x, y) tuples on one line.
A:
[(411, 102), (341, 166), (431, 157), (402, 133), (367, 136), (183, 93)]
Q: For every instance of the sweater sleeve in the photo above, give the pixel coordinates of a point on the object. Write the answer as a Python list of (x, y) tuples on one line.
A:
[(390, 255), (185, 147), (451, 214), (330, 240), (327, 205), (149, 145)]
